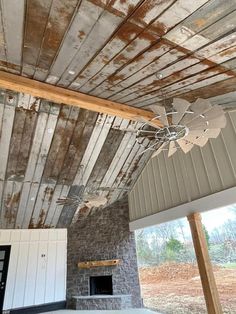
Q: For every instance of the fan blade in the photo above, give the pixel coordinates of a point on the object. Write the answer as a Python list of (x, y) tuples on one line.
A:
[(200, 141), (193, 139), (172, 149), (211, 118), (219, 122), (159, 150), (184, 145), (143, 120), (214, 112), (81, 190), (95, 201), (216, 116), (161, 112), (180, 105), (212, 133), (200, 106), (130, 130), (209, 133)]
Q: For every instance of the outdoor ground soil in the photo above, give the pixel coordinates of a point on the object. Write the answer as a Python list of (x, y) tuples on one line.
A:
[(175, 288)]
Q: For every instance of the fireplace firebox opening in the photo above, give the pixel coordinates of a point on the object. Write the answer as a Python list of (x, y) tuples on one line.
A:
[(101, 285)]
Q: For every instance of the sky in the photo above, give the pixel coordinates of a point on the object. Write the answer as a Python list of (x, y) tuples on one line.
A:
[(211, 219), (215, 218)]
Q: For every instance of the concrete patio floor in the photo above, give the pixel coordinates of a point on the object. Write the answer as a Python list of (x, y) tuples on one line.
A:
[(134, 311)]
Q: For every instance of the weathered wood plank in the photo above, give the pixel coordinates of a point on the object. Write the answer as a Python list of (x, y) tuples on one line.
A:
[(215, 89), (189, 43), (1, 201), (67, 212), (38, 213), (27, 203), (148, 11), (123, 46), (205, 82), (45, 145), (7, 214), (3, 58), (22, 204), (53, 205), (78, 146), (118, 51), (58, 210), (7, 125), (179, 11), (225, 100), (13, 21), (57, 141), (104, 26), (25, 146), (134, 66), (38, 137), (158, 64), (169, 73), (61, 13), (119, 158), (97, 139), (65, 142), (204, 78), (200, 22), (37, 12), (40, 146), (133, 172), (79, 29), (15, 143), (173, 73), (175, 13), (39, 218), (125, 173), (213, 52), (105, 157)]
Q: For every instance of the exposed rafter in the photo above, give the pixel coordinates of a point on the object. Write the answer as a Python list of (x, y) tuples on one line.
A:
[(61, 95)]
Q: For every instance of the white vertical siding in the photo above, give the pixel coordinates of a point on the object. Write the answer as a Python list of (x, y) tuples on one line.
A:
[(37, 268), (168, 182)]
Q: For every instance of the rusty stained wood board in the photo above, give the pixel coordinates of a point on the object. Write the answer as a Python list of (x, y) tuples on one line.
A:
[(49, 150), (112, 50)]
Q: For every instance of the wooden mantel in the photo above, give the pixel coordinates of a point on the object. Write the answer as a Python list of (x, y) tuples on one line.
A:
[(90, 264)]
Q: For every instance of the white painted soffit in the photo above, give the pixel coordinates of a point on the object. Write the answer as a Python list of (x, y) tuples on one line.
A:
[(213, 201)]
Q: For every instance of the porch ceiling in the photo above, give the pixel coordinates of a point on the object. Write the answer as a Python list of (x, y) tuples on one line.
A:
[(112, 50)]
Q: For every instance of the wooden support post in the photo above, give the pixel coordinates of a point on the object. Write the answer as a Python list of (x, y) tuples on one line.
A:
[(204, 264)]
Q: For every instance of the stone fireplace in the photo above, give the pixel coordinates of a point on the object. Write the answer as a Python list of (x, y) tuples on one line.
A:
[(104, 235)]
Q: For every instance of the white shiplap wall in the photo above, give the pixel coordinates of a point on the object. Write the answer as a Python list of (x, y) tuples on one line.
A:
[(37, 268), (183, 178)]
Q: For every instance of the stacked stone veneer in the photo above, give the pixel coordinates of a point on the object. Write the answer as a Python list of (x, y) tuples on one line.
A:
[(103, 235)]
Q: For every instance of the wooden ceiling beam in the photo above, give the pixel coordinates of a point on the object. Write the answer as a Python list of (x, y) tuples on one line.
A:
[(65, 96)]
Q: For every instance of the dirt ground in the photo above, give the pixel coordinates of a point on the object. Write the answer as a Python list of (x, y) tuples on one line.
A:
[(176, 289)]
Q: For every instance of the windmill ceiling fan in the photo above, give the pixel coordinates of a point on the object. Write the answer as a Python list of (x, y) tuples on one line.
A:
[(183, 127), (82, 199)]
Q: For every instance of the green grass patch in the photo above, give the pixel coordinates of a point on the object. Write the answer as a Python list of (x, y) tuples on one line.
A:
[(230, 265)]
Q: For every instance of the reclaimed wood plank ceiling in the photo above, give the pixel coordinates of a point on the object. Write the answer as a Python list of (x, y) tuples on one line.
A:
[(111, 49)]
